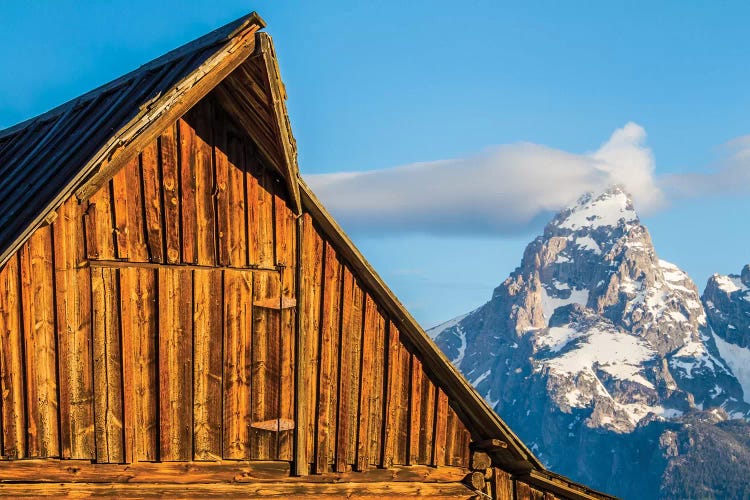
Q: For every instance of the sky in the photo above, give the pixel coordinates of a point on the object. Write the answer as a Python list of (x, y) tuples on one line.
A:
[(444, 135)]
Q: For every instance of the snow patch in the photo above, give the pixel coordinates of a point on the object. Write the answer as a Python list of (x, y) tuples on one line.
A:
[(738, 359), (606, 210), (551, 304)]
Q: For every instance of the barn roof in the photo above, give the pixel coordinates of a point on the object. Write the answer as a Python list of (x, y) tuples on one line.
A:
[(44, 159), (76, 147)]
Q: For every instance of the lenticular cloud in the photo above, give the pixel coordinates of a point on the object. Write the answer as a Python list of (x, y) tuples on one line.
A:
[(506, 189)]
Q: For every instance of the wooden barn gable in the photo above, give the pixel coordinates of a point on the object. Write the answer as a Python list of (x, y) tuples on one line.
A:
[(180, 315)]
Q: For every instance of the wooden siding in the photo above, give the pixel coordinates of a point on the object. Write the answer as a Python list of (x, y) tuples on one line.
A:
[(371, 402), (156, 321)]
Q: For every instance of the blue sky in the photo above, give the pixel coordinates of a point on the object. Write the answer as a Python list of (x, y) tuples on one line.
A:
[(376, 85)]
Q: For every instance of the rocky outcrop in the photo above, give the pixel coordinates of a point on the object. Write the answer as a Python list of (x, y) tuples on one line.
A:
[(594, 340)]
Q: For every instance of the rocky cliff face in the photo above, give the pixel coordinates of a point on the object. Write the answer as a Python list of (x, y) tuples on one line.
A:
[(727, 302), (592, 340)]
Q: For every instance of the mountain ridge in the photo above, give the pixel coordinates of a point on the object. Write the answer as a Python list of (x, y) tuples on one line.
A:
[(605, 337)]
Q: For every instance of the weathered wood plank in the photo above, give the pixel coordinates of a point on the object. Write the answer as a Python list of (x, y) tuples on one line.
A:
[(328, 380), (152, 200), (236, 193), (310, 301), (502, 485), (415, 410), (170, 191), (523, 491), (12, 388), (99, 231), (237, 363), (175, 364), (377, 394), (441, 421), (221, 188), (286, 249), (427, 421), (207, 368), (126, 278), (136, 224), (393, 403), (266, 337), (120, 188), (228, 471), (108, 415), (366, 369), (200, 119), (73, 302), (39, 342), (188, 178), (351, 332), (76, 471), (139, 295), (260, 213), (451, 434), (387, 489)]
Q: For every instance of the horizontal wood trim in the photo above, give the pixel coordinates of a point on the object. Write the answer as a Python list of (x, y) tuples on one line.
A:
[(74, 471), (250, 490), (120, 264)]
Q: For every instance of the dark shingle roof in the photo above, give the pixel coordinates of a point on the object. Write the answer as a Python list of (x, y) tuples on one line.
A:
[(40, 157)]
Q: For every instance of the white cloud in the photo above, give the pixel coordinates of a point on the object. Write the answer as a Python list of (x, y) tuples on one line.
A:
[(506, 189), (729, 175)]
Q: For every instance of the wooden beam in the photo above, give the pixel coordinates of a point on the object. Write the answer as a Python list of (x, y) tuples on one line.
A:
[(247, 490), (278, 94), (65, 471)]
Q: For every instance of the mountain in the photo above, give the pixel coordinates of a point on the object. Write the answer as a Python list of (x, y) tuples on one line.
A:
[(600, 354)]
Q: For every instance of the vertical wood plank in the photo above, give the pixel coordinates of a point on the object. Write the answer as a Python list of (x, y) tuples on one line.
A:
[(351, 332), (99, 231), (187, 167), (393, 397), (136, 226), (12, 387), (237, 363), (366, 383), (236, 193), (221, 188), (451, 429), (73, 303), (108, 415), (201, 119), (138, 289), (427, 421), (286, 256), (328, 380), (126, 277), (39, 341), (207, 375), (523, 491), (120, 209), (415, 410), (375, 431), (404, 388), (266, 363), (152, 199), (502, 485), (175, 364), (441, 421), (260, 214), (170, 191)]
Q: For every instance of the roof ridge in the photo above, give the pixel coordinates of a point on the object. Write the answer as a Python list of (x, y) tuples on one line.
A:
[(206, 41)]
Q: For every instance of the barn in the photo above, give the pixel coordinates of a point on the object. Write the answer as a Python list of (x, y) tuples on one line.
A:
[(181, 317)]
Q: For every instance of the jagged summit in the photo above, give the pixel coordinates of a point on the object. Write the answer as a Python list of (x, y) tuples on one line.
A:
[(608, 209), (602, 334)]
